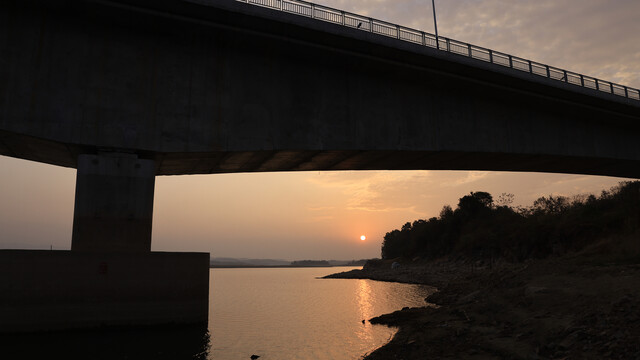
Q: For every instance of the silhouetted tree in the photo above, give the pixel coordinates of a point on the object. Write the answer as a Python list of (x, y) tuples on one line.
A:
[(505, 200), (552, 225), (475, 201), (551, 204)]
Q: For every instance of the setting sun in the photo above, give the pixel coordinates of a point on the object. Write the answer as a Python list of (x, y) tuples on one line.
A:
[(363, 238)]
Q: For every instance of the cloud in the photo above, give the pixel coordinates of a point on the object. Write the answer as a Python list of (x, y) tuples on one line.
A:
[(570, 186), (320, 208), (588, 36), (316, 219), (417, 194), (374, 191), (470, 177)]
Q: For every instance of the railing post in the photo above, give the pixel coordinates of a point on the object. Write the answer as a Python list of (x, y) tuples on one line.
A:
[(398, 31), (581, 80), (469, 49), (530, 67), (566, 77), (611, 87), (448, 45), (626, 92), (281, 1), (490, 56), (597, 86), (510, 61), (343, 18), (313, 11), (370, 25), (424, 39), (548, 72)]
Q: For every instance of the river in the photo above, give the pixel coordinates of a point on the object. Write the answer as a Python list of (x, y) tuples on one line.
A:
[(289, 313), (278, 314)]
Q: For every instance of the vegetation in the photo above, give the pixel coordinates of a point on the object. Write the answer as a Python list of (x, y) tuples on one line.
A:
[(481, 228)]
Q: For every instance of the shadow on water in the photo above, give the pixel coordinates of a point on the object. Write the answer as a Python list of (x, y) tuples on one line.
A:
[(166, 342)]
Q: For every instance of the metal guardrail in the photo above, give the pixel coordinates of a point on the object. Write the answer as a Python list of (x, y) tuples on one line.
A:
[(400, 32)]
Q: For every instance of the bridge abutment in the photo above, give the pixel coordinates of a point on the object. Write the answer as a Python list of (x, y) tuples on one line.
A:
[(114, 203)]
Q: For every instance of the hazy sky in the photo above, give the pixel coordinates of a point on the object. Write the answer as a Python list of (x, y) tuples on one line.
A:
[(321, 215)]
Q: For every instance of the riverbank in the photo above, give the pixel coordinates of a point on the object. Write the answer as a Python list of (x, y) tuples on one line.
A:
[(561, 308)]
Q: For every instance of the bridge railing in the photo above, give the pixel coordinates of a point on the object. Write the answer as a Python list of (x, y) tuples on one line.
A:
[(419, 37)]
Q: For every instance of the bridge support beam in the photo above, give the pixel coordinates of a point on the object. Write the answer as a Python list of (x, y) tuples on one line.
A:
[(114, 203)]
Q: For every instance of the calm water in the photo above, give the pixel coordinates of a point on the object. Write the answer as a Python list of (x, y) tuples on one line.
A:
[(290, 314), (275, 313)]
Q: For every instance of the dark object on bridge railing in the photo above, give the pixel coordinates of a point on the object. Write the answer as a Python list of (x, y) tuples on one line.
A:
[(399, 32)]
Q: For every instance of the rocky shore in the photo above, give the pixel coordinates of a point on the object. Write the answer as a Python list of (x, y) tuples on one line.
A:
[(562, 308)]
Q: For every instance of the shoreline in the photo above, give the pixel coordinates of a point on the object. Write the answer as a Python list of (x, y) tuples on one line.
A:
[(560, 308), (277, 266)]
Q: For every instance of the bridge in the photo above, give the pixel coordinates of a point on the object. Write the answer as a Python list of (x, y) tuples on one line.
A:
[(125, 90)]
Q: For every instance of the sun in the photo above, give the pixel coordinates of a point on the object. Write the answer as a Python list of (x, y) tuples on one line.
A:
[(363, 238)]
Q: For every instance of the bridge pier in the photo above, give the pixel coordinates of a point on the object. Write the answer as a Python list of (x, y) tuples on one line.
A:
[(114, 203), (110, 277)]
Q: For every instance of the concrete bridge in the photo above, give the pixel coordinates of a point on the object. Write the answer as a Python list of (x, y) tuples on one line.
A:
[(125, 90)]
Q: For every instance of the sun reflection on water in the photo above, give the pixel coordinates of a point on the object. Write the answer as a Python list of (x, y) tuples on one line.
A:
[(366, 309)]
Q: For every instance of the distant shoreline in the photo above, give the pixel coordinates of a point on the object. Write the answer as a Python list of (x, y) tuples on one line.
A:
[(275, 266)]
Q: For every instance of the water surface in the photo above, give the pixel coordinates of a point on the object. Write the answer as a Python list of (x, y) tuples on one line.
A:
[(278, 314), (288, 313)]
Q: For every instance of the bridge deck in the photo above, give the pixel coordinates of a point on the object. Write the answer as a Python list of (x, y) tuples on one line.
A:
[(403, 33), (203, 86)]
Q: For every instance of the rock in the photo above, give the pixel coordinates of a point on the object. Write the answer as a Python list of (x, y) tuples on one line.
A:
[(469, 297)]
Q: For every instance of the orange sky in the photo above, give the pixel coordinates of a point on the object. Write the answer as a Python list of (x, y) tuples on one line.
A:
[(321, 215)]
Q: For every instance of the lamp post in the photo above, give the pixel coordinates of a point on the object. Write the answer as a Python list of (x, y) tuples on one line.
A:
[(435, 22)]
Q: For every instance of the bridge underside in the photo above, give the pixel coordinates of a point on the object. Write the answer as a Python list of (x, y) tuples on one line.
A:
[(264, 161), (177, 163)]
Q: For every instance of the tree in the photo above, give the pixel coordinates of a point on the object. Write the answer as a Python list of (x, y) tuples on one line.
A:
[(475, 202), (505, 199), (446, 212), (550, 205), (392, 245)]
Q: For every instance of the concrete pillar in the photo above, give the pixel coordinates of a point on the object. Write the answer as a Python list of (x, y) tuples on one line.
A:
[(114, 203)]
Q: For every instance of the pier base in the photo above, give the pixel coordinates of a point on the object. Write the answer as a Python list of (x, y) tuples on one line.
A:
[(58, 290)]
